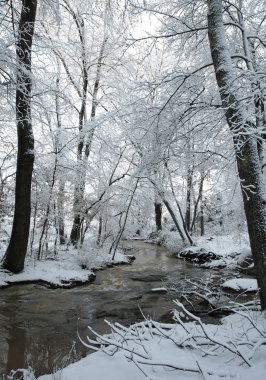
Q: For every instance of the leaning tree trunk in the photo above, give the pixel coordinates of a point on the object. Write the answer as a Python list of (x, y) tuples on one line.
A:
[(245, 143), (15, 255), (171, 212)]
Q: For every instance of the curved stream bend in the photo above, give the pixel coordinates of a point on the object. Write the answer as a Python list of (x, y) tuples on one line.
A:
[(38, 325)]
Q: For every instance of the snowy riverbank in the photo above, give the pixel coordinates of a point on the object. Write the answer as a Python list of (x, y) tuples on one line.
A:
[(67, 269), (71, 267), (184, 349), (235, 349)]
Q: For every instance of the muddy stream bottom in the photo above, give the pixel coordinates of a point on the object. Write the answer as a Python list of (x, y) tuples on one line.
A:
[(38, 326)]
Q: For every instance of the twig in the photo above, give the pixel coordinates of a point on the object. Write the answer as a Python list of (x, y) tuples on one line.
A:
[(212, 338)]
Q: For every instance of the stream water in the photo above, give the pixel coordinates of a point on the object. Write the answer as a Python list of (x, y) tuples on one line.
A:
[(38, 326)]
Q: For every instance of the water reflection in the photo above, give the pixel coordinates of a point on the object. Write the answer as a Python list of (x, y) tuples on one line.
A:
[(16, 348), (38, 325)]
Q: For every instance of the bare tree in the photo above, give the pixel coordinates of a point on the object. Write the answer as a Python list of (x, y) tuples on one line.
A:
[(84, 147), (17, 248)]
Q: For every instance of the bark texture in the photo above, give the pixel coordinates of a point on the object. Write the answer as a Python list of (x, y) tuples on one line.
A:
[(245, 143), (17, 249), (158, 215), (188, 199)]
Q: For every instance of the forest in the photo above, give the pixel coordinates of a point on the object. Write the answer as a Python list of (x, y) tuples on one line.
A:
[(133, 130)]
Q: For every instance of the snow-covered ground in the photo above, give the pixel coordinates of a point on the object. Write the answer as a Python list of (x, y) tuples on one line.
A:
[(235, 349), (62, 271), (225, 245), (69, 267), (186, 349), (224, 251), (232, 250), (241, 284)]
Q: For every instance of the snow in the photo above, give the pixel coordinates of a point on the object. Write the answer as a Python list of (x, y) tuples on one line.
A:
[(67, 268), (226, 245), (98, 366), (187, 351), (241, 284), (61, 271), (159, 289), (232, 250)]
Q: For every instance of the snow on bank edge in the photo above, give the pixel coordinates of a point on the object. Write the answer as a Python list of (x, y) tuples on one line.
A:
[(65, 270), (241, 284), (161, 352)]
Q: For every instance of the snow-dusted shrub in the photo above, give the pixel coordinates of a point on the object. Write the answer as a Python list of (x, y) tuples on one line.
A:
[(233, 349), (91, 256), (171, 241)]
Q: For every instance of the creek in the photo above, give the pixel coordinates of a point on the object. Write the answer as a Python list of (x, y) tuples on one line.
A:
[(38, 325)]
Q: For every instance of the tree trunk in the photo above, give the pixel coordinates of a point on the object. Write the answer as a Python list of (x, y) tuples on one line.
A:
[(76, 229), (60, 220), (201, 215), (257, 88), (197, 202), (180, 211), (171, 212), (158, 215), (84, 156), (81, 166), (122, 224), (188, 198), (100, 230), (60, 211), (17, 249), (245, 143)]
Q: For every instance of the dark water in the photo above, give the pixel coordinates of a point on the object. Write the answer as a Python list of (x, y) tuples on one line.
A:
[(38, 326)]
